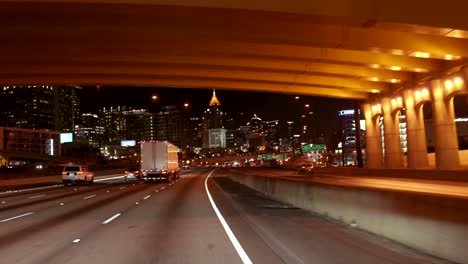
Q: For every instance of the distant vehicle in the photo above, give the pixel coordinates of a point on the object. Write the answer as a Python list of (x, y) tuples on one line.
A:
[(305, 168), (77, 174), (133, 172), (159, 161)]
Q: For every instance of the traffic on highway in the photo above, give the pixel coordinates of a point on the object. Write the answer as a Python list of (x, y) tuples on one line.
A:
[(203, 217)]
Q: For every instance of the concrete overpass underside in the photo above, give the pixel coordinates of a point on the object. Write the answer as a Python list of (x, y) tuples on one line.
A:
[(339, 48), (396, 55)]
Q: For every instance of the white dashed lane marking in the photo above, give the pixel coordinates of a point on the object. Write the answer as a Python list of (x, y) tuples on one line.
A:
[(37, 196), (87, 197), (111, 219)]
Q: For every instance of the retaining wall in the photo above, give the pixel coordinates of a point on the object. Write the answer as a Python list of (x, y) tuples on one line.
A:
[(435, 225)]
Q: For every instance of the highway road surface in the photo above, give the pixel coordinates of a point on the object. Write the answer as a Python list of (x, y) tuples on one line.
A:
[(204, 217)]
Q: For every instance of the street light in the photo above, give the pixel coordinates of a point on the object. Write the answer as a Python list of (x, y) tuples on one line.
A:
[(184, 139), (154, 97)]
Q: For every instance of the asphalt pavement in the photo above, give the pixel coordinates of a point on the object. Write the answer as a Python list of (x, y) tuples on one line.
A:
[(194, 220)]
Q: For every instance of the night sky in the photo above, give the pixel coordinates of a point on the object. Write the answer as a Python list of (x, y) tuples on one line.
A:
[(267, 106)]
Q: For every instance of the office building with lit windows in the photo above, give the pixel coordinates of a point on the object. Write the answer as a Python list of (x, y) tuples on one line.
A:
[(168, 125), (89, 131), (122, 123), (38, 107)]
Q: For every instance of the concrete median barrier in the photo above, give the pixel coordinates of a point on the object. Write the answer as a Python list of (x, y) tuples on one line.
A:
[(436, 225)]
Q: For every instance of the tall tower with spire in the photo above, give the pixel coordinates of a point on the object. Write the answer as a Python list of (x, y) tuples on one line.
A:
[(213, 114), (214, 100), (214, 134)]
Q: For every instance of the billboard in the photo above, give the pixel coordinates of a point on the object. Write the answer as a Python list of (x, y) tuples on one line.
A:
[(128, 143), (66, 138)]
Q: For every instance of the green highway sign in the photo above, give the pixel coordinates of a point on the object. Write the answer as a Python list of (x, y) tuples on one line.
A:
[(318, 147)]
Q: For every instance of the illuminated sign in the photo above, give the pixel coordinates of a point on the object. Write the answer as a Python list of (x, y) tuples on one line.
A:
[(66, 138), (128, 143), (49, 147), (346, 112)]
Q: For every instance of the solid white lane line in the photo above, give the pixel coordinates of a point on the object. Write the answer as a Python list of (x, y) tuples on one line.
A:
[(76, 240), (108, 179), (123, 188), (15, 217), (163, 188), (32, 189), (37, 196), (148, 196), (91, 196), (110, 219), (240, 251)]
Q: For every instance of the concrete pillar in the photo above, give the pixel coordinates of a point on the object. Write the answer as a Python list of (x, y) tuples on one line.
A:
[(445, 131), (393, 152), (415, 130), (374, 157)]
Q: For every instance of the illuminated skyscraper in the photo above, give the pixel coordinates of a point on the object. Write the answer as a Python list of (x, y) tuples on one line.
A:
[(214, 135), (38, 107), (168, 125)]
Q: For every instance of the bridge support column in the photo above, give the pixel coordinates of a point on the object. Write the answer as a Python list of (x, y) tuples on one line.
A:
[(445, 132), (373, 139), (417, 147), (393, 152)]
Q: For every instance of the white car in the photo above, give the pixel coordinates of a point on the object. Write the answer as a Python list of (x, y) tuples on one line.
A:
[(77, 174)]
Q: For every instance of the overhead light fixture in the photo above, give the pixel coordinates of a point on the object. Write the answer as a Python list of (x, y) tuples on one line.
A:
[(417, 94), (425, 92), (421, 54), (458, 81), (418, 70), (397, 52), (451, 57), (448, 84)]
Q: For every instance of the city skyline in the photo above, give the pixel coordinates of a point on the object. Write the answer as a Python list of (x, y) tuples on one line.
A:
[(241, 104)]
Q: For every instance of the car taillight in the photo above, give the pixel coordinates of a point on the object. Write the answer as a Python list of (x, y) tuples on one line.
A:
[(126, 171)]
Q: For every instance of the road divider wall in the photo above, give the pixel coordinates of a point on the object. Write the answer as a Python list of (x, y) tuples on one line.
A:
[(428, 174), (435, 225)]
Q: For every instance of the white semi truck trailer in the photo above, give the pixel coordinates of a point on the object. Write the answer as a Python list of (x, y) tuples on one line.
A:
[(159, 161)]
